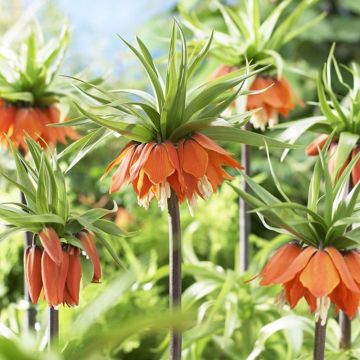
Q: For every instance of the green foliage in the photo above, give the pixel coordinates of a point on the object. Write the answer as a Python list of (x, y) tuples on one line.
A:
[(43, 184), (28, 77), (328, 216), (175, 110), (250, 36)]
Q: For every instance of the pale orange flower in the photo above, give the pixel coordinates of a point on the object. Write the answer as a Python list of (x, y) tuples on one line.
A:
[(192, 168), (277, 99), (16, 122), (320, 276)]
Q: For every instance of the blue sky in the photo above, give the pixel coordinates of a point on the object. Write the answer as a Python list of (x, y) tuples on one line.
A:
[(95, 23)]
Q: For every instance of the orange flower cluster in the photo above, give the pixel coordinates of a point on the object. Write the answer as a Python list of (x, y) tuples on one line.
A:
[(318, 144), (16, 122), (277, 99), (192, 168), (56, 269), (320, 276)]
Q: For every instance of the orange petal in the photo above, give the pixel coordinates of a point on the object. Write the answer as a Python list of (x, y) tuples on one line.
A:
[(256, 100), (279, 262), (174, 159), (63, 273), (50, 273), (122, 175), (320, 276), (73, 277), (158, 166), (32, 262), (209, 144), (51, 243), (294, 291), (193, 158), (87, 240), (142, 154), (345, 300), (342, 268), (296, 266), (129, 147), (352, 260), (318, 143)]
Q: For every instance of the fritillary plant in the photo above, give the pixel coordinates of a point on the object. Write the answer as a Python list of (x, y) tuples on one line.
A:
[(321, 264), (30, 93), (63, 250), (246, 36), (172, 154)]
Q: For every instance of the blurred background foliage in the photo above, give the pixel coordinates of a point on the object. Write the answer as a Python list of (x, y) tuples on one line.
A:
[(125, 316)]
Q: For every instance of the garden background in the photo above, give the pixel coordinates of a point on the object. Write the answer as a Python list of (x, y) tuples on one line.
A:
[(244, 320)]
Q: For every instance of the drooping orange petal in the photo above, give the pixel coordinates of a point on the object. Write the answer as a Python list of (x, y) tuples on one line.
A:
[(87, 240), (50, 273), (32, 262), (63, 273), (311, 300), (174, 159), (279, 262), (294, 291), (345, 300), (193, 158), (51, 243), (73, 277), (142, 154), (296, 266), (352, 260), (316, 145), (129, 147), (320, 276), (256, 100), (158, 166), (342, 268), (121, 176), (209, 144)]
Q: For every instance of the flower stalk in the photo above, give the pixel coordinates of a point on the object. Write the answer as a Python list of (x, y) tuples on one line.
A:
[(345, 331), (30, 316), (244, 216), (319, 341), (53, 328), (175, 271)]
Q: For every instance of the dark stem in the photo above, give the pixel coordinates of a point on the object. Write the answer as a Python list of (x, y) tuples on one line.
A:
[(345, 331), (30, 316), (244, 216), (175, 271), (53, 328), (319, 341)]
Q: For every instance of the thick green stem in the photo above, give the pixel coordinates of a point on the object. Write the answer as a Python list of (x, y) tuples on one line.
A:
[(175, 271), (319, 341)]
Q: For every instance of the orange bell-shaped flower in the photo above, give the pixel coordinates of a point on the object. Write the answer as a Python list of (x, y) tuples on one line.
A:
[(277, 99), (320, 276), (192, 168)]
